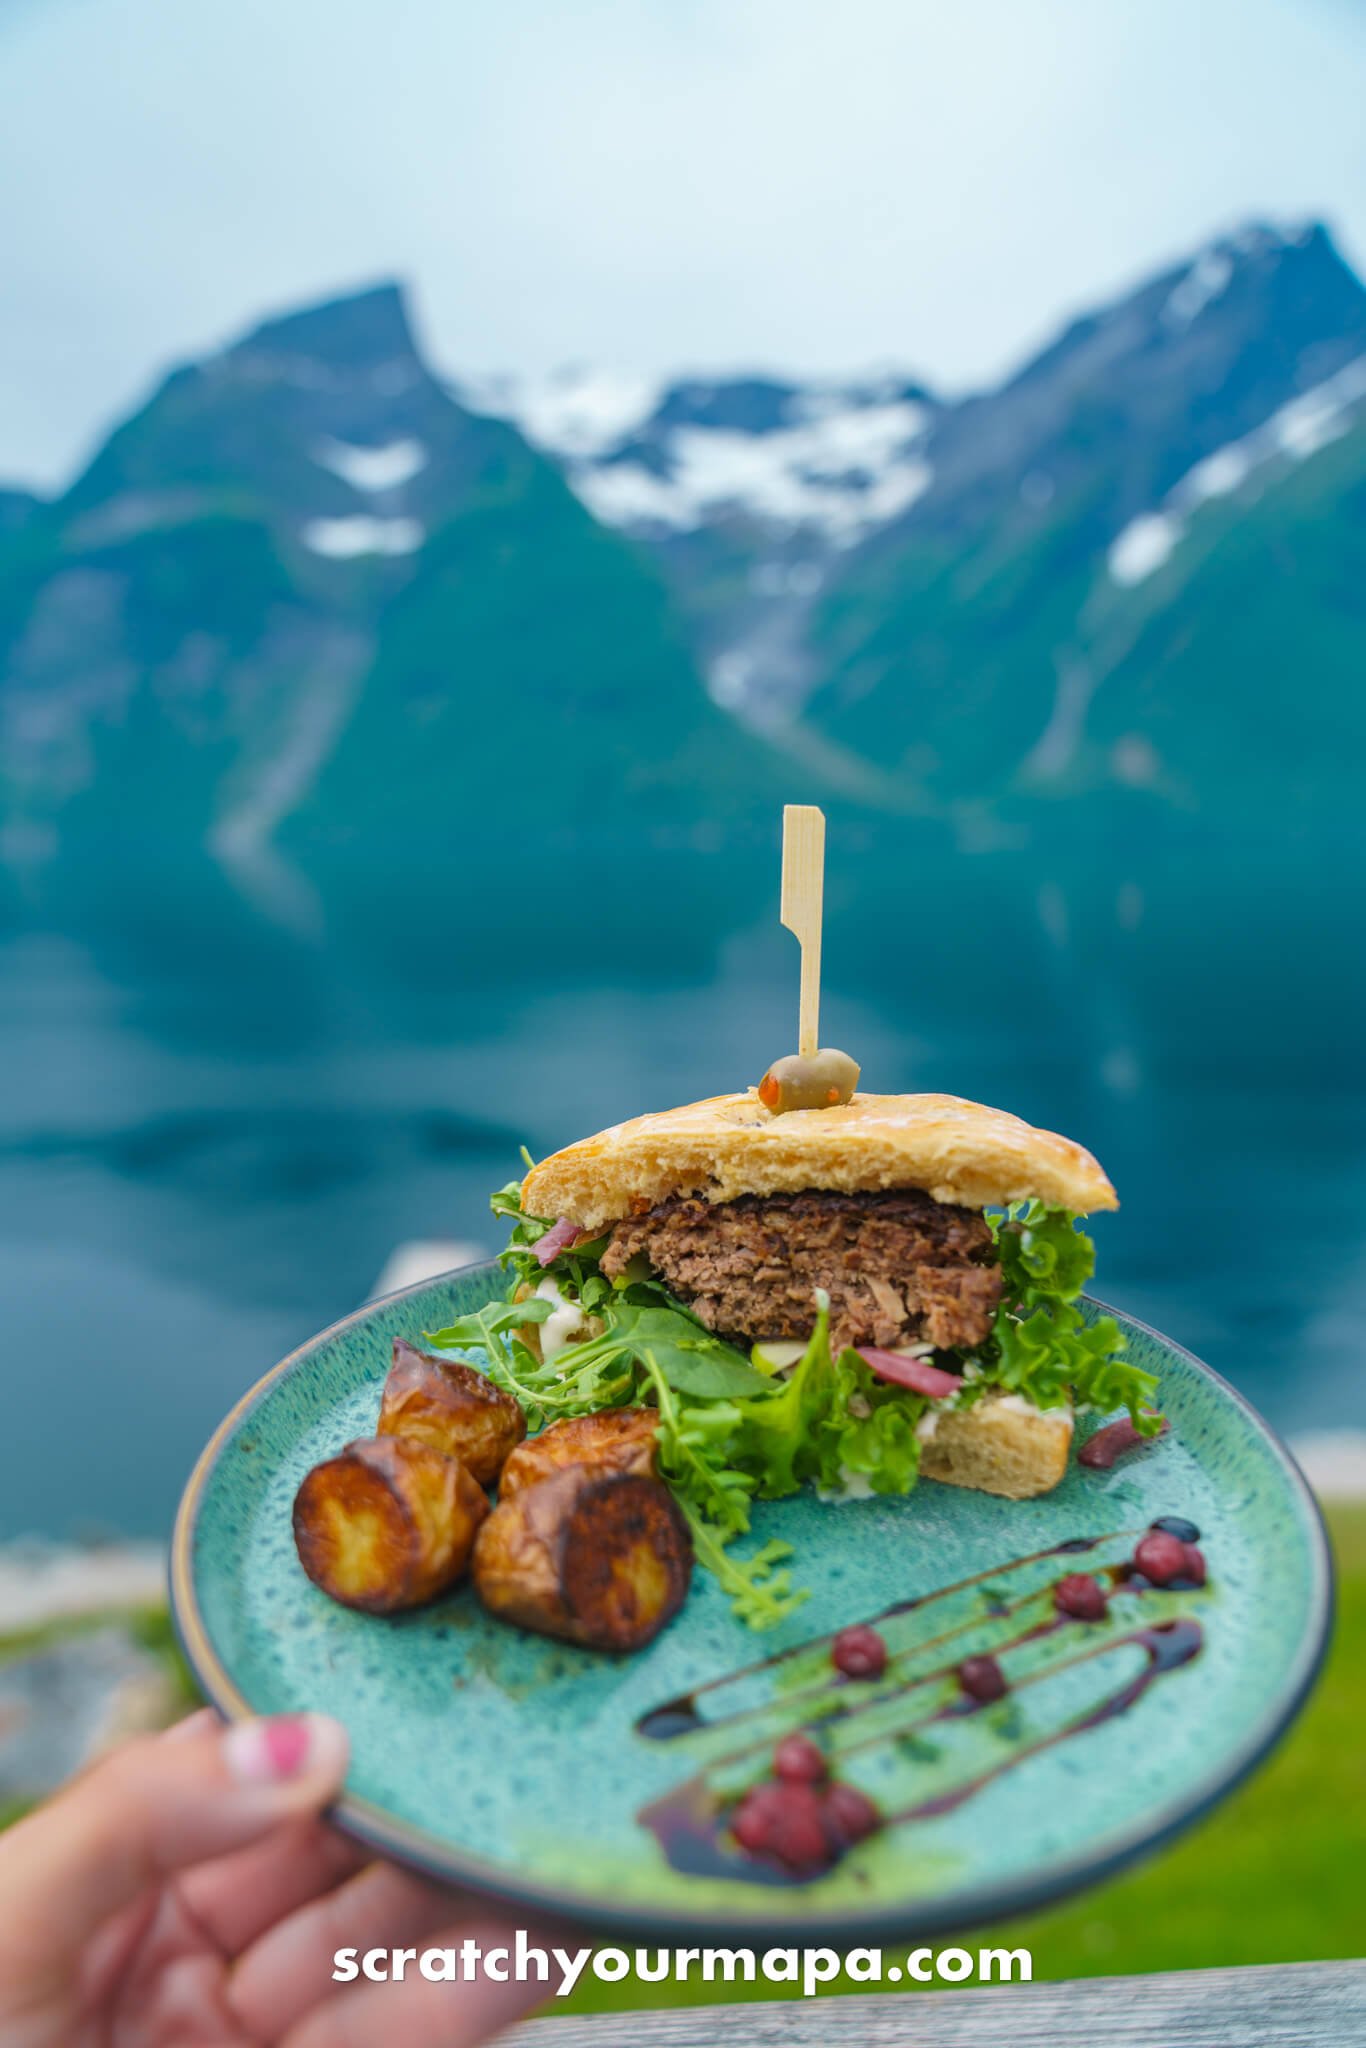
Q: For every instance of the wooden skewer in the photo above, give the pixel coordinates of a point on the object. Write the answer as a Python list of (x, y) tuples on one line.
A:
[(802, 905)]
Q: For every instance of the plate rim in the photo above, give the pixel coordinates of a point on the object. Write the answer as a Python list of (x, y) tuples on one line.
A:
[(376, 1828)]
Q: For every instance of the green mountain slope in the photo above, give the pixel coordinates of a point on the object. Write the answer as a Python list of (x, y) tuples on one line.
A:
[(304, 606), (1006, 641), (530, 667), (1243, 658)]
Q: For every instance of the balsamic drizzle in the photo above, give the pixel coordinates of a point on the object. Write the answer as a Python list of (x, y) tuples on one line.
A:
[(690, 1821), (681, 1715)]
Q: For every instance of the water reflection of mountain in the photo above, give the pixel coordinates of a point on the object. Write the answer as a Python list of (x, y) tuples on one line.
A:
[(205, 1155)]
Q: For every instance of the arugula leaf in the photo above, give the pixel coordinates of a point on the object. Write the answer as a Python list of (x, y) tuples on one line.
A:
[(493, 1319), (580, 1380), (775, 1437), (686, 1353)]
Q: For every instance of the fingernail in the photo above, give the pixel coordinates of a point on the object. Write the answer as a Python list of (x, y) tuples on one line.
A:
[(286, 1746)]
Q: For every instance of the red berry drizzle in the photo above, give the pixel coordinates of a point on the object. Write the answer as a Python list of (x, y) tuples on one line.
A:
[(801, 1818)]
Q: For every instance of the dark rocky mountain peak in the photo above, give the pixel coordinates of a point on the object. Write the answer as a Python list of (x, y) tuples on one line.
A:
[(361, 331), (1130, 397)]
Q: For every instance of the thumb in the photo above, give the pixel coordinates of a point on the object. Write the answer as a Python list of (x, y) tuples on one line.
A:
[(153, 1807)]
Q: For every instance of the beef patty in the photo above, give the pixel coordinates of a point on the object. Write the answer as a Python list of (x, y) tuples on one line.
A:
[(899, 1267)]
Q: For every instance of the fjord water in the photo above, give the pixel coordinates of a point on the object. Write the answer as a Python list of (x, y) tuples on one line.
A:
[(212, 1134)]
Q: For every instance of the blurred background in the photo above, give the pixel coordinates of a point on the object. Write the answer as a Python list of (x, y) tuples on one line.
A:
[(465, 469)]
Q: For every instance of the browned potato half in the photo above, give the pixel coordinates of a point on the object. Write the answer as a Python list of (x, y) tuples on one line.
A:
[(450, 1406), (387, 1523), (600, 1558), (615, 1440)]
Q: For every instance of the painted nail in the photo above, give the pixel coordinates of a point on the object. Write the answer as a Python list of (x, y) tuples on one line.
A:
[(270, 1752)]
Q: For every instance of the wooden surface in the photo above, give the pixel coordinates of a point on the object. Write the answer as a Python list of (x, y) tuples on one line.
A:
[(1290, 2005)]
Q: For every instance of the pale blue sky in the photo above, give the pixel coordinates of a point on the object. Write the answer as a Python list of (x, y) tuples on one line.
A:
[(646, 183)]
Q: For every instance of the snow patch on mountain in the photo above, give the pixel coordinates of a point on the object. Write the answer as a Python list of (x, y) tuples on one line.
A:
[(386, 468), (344, 539), (1209, 275), (571, 414), (1144, 546), (832, 460), (1299, 429), (841, 475)]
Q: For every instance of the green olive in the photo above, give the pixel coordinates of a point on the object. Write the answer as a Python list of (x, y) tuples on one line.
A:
[(819, 1082)]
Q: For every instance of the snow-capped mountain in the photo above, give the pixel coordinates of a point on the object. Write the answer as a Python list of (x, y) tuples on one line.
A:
[(312, 605), (746, 489), (1295, 431), (1004, 633), (828, 460), (768, 501)]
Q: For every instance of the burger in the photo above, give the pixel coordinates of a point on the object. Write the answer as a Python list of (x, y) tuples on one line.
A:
[(804, 1286), (932, 1239)]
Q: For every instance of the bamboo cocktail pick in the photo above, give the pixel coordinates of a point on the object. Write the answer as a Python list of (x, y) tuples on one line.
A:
[(808, 1078), (802, 906)]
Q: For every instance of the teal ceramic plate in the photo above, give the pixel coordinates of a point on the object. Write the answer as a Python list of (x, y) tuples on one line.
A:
[(528, 1769)]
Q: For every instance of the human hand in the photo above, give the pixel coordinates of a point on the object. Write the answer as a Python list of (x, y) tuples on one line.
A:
[(185, 1893)]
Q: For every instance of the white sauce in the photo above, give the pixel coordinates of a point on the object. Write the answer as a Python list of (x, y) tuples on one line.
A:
[(928, 1424), (1016, 1404), (852, 1486), (563, 1323)]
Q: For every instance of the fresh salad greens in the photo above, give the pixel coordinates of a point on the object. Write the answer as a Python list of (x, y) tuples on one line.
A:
[(730, 1434), (1041, 1345)]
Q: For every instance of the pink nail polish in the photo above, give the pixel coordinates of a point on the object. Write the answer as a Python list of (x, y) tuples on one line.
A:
[(269, 1752), (287, 1745)]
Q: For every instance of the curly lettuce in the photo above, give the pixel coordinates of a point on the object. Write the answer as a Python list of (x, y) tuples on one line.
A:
[(1041, 1345)]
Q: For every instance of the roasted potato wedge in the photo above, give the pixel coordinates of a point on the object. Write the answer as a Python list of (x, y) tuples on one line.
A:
[(600, 1558), (387, 1523), (450, 1406), (614, 1440)]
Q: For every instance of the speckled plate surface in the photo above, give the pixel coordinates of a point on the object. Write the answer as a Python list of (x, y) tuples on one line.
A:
[(517, 1765)]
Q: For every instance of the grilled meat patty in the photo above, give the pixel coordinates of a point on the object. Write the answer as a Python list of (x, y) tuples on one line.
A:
[(899, 1267)]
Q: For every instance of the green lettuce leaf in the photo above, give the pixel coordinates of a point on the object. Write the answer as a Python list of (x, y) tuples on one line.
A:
[(870, 1431), (1041, 1345), (695, 1457)]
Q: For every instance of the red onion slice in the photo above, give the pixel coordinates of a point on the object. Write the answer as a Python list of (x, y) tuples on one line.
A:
[(1101, 1450), (557, 1239), (916, 1373)]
